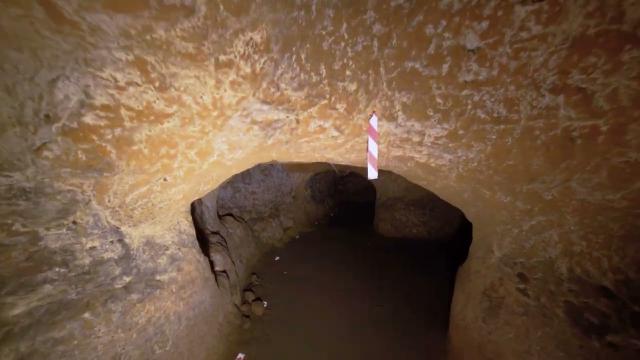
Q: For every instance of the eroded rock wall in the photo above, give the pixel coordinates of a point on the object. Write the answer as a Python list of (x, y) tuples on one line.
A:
[(115, 115)]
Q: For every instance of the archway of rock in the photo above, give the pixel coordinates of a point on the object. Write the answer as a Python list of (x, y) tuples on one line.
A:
[(316, 257)]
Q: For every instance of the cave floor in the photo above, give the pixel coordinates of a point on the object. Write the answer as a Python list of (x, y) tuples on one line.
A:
[(345, 293)]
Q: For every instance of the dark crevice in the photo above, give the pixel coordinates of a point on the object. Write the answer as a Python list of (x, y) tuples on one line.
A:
[(458, 246), (233, 216), (204, 238), (203, 241)]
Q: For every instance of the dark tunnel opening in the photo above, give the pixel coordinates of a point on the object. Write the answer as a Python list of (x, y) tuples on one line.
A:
[(361, 269), (350, 197)]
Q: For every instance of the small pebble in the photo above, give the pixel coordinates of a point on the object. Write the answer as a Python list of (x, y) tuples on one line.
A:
[(257, 307), (245, 309), (249, 295)]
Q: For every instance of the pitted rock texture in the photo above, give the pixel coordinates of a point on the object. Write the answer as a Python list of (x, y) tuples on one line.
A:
[(262, 197), (115, 115), (417, 218)]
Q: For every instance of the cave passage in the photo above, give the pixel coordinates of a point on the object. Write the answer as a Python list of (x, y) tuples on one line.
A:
[(349, 293), (322, 263)]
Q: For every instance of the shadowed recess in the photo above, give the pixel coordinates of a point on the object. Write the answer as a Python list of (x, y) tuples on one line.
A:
[(358, 254)]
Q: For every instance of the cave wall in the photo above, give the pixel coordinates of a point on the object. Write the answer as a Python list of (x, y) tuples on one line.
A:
[(115, 115)]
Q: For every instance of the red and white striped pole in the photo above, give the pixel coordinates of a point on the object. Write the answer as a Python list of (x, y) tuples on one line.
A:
[(372, 148)]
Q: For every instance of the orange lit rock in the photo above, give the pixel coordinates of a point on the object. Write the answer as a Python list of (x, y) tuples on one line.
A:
[(116, 115)]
